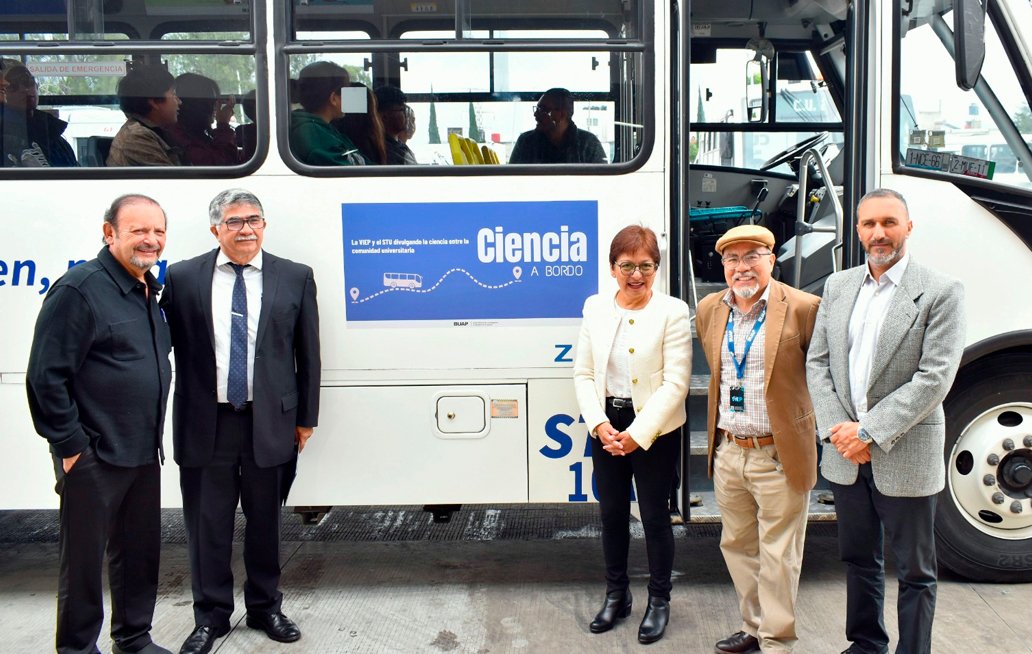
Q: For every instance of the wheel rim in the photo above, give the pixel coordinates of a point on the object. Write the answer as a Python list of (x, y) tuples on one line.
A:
[(988, 472)]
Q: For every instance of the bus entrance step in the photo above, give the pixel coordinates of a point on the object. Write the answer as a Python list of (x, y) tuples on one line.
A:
[(708, 512)]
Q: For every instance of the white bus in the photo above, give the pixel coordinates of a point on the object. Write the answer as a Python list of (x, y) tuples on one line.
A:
[(463, 394)]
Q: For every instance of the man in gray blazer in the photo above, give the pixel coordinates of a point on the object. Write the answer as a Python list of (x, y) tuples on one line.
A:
[(878, 396)]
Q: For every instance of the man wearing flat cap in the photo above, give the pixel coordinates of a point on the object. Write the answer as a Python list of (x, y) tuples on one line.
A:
[(762, 434)]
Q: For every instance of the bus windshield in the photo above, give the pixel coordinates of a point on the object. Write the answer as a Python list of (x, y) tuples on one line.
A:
[(984, 132)]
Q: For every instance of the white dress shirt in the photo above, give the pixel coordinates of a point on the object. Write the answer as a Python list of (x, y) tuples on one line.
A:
[(618, 371), (872, 304), (221, 310)]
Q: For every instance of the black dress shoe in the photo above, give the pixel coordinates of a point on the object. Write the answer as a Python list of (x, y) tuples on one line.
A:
[(738, 643), (275, 625), (202, 639), (617, 605), (655, 621)]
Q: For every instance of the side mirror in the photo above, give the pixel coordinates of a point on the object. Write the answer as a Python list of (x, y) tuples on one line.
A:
[(969, 41), (756, 97)]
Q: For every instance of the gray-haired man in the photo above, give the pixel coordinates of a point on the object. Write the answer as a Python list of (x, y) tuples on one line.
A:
[(245, 330)]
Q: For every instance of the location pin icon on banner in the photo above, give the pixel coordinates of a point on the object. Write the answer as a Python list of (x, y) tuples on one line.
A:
[(517, 271), (354, 293)]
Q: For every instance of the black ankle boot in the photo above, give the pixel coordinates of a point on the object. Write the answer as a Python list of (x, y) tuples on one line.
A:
[(655, 621), (616, 606)]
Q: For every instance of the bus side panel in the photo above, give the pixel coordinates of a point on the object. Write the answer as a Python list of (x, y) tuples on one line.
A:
[(559, 461), (26, 468), (416, 445)]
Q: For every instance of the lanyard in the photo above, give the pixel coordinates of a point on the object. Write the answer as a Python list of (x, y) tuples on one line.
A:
[(740, 366)]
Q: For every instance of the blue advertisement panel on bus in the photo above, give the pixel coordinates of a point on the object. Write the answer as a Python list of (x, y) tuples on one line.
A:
[(480, 261)]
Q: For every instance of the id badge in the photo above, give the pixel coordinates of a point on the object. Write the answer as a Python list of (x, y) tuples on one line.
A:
[(737, 399)]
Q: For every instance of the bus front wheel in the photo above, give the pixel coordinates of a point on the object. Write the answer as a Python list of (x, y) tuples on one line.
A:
[(983, 522)]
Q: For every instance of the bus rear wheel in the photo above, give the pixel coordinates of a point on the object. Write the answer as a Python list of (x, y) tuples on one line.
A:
[(983, 523)]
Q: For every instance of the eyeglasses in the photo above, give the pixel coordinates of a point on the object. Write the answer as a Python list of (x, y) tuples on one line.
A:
[(540, 109), (627, 268), (236, 224), (750, 259)]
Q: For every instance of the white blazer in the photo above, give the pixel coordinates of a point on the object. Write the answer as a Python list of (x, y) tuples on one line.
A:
[(660, 358)]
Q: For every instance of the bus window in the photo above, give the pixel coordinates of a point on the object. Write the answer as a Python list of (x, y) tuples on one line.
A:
[(616, 18), (139, 20), (65, 110), (971, 123), (719, 94), (76, 95), (471, 104)]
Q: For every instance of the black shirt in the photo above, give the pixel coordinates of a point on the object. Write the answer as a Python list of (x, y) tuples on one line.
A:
[(99, 370)]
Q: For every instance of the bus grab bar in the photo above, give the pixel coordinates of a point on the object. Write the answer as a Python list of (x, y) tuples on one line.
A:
[(803, 227)]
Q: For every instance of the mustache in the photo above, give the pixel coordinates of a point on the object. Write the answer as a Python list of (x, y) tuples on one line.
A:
[(743, 277)]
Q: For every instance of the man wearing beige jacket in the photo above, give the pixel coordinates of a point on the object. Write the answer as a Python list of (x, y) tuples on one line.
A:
[(762, 434)]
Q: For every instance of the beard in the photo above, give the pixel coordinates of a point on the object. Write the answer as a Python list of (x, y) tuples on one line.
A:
[(885, 259), (143, 264), (746, 292)]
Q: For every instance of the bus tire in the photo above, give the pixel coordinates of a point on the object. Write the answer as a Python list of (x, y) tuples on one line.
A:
[(983, 522)]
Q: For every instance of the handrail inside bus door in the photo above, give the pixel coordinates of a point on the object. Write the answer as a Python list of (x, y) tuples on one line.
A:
[(803, 226)]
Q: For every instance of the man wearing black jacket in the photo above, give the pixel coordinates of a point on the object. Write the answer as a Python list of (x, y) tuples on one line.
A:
[(245, 327), (30, 137), (98, 381)]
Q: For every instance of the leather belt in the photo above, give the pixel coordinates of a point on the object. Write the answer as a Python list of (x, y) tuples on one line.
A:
[(749, 442), (620, 402)]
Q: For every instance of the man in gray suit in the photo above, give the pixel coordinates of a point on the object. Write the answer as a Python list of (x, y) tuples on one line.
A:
[(878, 398)]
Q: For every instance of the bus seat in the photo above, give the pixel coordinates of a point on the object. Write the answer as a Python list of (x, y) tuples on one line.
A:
[(489, 155), (472, 152), (97, 149), (457, 153)]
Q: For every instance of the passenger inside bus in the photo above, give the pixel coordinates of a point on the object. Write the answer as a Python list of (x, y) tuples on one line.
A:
[(365, 129), (247, 133), (31, 138), (392, 104), (148, 99), (313, 139), (5, 65), (201, 105), (556, 138)]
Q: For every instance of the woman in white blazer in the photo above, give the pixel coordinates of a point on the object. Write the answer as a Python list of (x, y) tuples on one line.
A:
[(631, 375)]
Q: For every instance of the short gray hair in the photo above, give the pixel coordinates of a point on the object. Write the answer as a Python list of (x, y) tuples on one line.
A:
[(228, 198), (884, 193)]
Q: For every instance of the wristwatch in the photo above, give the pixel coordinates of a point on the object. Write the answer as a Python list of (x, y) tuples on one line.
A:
[(864, 436)]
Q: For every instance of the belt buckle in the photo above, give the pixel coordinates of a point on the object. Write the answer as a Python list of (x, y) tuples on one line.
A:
[(747, 442), (620, 403)]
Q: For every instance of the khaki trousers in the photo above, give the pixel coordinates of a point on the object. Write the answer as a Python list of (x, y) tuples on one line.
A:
[(764, 526)]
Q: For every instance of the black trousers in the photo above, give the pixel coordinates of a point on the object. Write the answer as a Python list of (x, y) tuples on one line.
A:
[(210, 496), (119, 509), (862, 514), (653, 473)]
